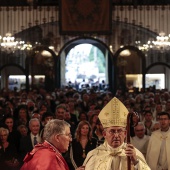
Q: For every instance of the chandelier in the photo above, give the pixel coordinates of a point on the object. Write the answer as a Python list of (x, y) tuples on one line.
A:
[(9, 44), (161, 43)]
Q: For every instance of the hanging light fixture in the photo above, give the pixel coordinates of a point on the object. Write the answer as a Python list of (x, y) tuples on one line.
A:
[(162, 43), (9, 44)]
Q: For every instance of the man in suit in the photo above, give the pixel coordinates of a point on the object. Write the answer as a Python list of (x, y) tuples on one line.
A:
[(28, 142), (84, 104)]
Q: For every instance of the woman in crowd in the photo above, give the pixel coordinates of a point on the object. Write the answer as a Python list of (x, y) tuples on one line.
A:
[(93, 120), (13, 136), (23, 118), (8, 152), (81, 145)]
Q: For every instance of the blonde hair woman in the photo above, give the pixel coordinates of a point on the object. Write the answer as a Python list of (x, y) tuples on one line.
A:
[(81, 144)]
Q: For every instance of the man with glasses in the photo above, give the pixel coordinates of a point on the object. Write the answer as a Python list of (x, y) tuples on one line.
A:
[(158, 151), (113, 153), (48, 155)]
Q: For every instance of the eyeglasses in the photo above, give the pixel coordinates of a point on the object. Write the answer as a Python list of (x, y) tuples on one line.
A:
[(69, 135), (118, 131)]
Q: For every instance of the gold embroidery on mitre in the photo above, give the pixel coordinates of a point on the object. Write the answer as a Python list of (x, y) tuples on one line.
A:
[(106, 114), (114, 114)]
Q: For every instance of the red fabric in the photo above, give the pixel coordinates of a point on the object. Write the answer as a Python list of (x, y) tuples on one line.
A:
[(44, 157)]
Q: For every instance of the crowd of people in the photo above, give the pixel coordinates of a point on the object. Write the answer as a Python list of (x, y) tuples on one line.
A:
[(25, 117)]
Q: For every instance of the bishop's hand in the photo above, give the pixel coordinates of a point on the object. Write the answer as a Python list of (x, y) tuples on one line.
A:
[(131, 152)]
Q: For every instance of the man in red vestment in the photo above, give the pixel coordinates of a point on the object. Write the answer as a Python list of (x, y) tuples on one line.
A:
[(48, 155)]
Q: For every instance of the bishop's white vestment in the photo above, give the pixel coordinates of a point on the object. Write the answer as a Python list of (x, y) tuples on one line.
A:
[(158, 151), (105, 157)]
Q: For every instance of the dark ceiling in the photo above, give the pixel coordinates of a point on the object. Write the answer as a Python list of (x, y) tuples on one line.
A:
[(56, 2)]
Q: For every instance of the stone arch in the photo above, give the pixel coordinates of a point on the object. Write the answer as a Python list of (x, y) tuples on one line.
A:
[(7, 70), (98, 43), (135, 60), (161, 67), (47, 65)]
